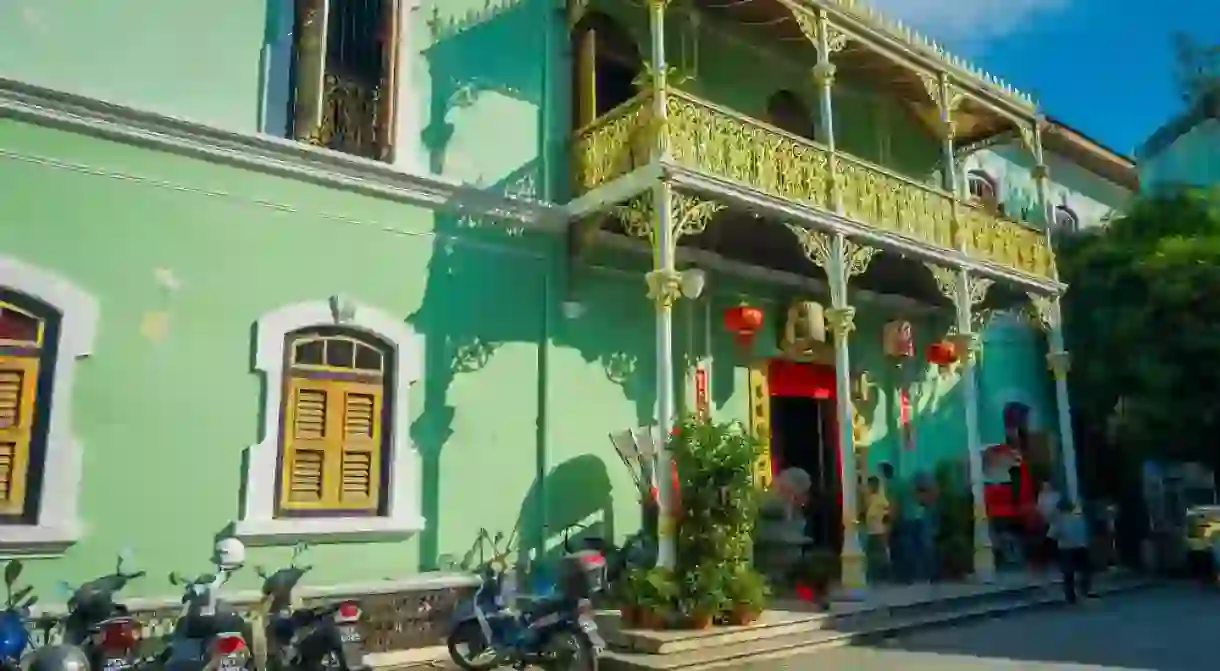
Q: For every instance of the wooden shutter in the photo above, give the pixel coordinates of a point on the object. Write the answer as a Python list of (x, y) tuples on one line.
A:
[(760, 422), (18, 389), (332, 446), (309, 68)]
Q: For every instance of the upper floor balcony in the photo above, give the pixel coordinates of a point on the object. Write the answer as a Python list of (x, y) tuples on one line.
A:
[(739, 113)]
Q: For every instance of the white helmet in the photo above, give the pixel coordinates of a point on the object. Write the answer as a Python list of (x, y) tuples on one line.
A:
[(229, 553)]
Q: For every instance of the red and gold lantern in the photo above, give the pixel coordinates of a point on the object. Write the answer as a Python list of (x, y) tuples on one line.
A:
[(899, 340), (943, 354), (743, 322)]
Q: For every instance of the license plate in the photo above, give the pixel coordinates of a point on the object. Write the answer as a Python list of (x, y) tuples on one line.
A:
[(350, 635), (233, 663), (116, 664)]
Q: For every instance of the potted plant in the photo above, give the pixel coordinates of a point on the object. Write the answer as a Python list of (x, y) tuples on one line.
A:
[(655, 594), (627, 594), (703, 596), (815, 573), (747, 593)]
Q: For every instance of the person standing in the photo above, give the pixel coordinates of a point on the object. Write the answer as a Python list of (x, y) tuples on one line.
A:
[(1047, 506), (1071, 535), (877, 523)]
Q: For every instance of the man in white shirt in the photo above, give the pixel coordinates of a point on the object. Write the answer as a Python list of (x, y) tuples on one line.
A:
[(1071, 535)]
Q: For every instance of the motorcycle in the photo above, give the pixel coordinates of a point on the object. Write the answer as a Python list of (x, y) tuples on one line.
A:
[(99, 626), (557, 633), (14, 636), (317, 638), (206, 635)]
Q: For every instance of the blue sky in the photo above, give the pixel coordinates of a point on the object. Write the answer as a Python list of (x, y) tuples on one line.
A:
[(1104, 67)]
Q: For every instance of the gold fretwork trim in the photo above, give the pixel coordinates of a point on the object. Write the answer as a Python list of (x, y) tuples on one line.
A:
[(1041, 311), (689, 215), (817, 246), (947, 283)]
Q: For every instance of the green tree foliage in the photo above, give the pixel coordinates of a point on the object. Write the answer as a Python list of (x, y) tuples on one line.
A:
[(1142, 320)]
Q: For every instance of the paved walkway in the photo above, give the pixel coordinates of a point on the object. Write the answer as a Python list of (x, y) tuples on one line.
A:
[(1173, 628)]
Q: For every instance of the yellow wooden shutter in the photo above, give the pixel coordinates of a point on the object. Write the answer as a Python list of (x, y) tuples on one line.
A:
[(332, 446), (18, 389), (760, 422)]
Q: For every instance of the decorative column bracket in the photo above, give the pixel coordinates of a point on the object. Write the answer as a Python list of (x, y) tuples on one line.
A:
[(690, 216), (813, 25), (1041, 312), (947, 283), (818, 247)]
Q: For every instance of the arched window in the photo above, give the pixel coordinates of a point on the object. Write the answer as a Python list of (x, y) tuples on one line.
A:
[(1066, 220), (606, 65), (26, 374), (334, 422), (336, 377), (786, 111), (981, 187)]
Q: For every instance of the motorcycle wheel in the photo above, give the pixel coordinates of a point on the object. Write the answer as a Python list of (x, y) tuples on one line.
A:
[(468, 649), (570, 651)]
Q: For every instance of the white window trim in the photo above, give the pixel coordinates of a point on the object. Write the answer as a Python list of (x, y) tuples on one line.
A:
[(258, 524), (58, 525)]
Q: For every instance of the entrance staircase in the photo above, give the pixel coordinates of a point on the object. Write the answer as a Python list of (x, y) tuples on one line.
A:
[(790, 629)]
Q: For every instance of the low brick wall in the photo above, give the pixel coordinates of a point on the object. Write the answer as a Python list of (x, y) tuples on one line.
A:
[(398, 615)]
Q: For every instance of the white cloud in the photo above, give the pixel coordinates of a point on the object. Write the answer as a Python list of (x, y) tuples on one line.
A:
[(969, 23)]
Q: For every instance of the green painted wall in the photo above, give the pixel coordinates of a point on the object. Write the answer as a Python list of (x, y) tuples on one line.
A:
[(164, 421), (1193, 158)]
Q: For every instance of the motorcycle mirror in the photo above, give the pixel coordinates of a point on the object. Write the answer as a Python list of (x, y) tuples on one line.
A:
[(12, 571), (25, 607), (176, 579)]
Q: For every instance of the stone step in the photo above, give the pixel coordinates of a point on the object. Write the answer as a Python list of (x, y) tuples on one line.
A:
[(742, 653), (772, 624)]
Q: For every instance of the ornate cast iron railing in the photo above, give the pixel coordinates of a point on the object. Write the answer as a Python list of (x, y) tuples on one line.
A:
[(613, 145), (721, 143), (350, 117)]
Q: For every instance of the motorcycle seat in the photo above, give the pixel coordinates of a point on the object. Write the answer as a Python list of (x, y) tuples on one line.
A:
[(546, 606)]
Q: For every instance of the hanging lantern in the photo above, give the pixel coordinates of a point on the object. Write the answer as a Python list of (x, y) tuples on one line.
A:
[(899, 340), (743, 322), (804, 326), (942, 354)]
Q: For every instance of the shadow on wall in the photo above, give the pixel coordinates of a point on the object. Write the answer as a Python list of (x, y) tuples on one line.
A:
[(497, 49)]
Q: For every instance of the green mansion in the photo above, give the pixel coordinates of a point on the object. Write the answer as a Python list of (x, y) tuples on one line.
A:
[(383, 276)]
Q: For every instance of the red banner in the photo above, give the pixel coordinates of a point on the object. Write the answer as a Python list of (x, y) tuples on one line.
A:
[(702, 406), (904, 420)]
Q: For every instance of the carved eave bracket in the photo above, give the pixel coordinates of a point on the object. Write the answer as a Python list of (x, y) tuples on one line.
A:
[(688, 215), (811, 26), (1041, 311), (818, 247)]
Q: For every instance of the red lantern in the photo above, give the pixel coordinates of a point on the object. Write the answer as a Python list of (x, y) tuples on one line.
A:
[(942, 354), (743, 322)]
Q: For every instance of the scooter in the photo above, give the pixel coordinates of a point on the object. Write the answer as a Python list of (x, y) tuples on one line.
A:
[(101, 627), (318, 638), (14, 636), (558, 633), (207, 636)]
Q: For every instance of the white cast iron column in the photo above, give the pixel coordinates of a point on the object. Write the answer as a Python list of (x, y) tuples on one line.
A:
[(1060, 363), (663, 262), (968, 344), (841, 317), (842, 259)]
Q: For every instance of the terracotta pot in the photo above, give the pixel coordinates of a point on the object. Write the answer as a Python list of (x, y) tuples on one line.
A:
[(630, 616), (647, 618), (743, 615), (700, 621)]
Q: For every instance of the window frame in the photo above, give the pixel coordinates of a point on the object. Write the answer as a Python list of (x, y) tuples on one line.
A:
[(57, 524), (329, 379), (259, 522), (278, 62), (1064, 210), (982, 176)]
